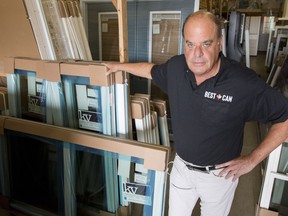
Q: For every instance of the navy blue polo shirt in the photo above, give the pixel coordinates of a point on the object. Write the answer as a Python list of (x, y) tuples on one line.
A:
[(208, 120)]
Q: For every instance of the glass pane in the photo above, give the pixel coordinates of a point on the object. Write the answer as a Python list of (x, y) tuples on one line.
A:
[(37, 179), (36, 99), (92, 181), (89, 109), (165, 36), (31, 96), (279, 200), (283, 162), (92, 178), (165, 40), (84, 103), (109, 36), (33, 169)]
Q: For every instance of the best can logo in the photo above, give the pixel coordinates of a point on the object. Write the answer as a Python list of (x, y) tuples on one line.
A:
[(219, 97)]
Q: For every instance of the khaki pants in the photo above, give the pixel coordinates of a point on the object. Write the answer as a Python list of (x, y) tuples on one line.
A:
[(187, 186)]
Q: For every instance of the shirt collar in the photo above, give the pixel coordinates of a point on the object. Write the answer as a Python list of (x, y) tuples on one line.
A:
[(221, 70)]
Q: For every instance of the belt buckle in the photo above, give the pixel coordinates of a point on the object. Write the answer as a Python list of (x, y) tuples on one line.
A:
[(207, 171)]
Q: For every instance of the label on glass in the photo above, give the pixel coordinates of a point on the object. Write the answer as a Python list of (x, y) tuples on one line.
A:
[(36, 104), (137, 193)]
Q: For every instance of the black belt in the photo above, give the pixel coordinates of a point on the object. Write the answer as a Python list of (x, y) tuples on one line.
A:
[(204, 169)]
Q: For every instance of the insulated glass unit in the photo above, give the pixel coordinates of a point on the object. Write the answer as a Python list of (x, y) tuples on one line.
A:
[(26, 91), (37, 176)]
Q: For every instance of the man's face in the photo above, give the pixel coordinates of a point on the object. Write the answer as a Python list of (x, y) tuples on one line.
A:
[(202, 47)]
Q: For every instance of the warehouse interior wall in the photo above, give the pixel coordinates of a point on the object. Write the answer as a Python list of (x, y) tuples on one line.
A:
[(138, 18), (138, 24)]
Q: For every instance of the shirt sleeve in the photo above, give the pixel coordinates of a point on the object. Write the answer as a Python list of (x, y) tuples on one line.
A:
[(159, 76), (269, 106)]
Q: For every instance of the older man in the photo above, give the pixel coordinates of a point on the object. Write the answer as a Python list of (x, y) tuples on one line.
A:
[(211, 97)]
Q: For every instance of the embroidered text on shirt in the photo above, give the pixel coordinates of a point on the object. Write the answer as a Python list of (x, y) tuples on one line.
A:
[(217, 96)]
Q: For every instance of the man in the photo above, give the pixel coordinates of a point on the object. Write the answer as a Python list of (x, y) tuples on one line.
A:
[(211, 98)]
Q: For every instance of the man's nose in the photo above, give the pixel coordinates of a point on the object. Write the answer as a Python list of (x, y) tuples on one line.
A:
[(198, 51)]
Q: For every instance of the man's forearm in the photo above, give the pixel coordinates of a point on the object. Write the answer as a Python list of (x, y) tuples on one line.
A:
[(137, 69), (277, 134), (237, 167)]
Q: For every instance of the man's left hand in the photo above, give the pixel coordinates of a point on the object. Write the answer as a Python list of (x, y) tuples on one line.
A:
[(236, 167)]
